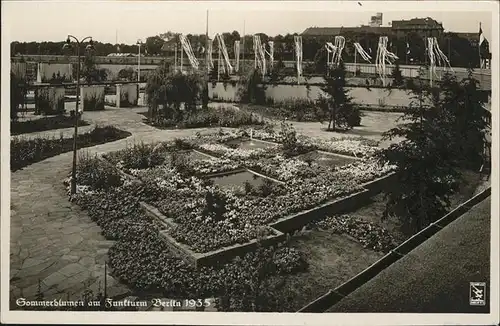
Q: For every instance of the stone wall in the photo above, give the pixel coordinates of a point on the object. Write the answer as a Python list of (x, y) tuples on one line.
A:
[(49, 100), (127, 95), (286, 92), (92, 98)]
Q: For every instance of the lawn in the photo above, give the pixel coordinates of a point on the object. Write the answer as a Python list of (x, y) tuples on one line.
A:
[(332, 259)]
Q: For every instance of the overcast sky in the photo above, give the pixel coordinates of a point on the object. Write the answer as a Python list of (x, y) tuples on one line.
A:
[(131, 20)]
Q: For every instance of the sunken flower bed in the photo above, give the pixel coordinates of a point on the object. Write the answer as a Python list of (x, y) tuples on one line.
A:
[(208, 216)]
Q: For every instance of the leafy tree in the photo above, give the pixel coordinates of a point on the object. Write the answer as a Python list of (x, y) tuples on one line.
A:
[(396, 75), (252, 90), (154, 44), (90, 72), (471, 120), (127, 74), (170, 90), (425, 158), (336, 106)]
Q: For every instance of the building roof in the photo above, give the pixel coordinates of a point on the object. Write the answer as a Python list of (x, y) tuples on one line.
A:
[(332, 31), (414, 23), (434, 277)]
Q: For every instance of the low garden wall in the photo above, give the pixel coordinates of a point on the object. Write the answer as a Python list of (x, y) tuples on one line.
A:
[(284, 92), (279, 228), (127, 95), (92, 97), (49, 100)]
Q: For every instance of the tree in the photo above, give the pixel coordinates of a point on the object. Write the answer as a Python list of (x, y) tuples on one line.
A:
[(425, 158), (154, 44), (252, 89), (336, 106), (170, 90), (90, 72), (397, 75), (471, 120)]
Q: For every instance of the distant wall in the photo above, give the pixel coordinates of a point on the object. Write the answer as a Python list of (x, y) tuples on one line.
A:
[(280, 92), (113, 69), (46, 71)]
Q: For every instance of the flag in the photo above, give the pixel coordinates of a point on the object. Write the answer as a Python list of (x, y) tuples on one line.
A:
[(481, 36), (407, 48)]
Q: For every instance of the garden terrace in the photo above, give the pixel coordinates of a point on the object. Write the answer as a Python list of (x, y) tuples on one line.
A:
[(204, 217)]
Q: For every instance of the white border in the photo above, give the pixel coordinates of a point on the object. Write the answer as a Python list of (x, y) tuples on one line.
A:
[(208, 318)]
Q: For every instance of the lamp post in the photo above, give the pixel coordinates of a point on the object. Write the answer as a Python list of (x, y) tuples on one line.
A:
[(139, 42), (88, 47)]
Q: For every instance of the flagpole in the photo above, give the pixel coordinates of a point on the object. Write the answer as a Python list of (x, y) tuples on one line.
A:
[(243, 66), (479, 46), (207, 71), (407, 48)]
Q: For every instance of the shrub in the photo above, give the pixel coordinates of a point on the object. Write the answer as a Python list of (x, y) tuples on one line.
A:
[(94, 172), (138, 156), (370, 235)]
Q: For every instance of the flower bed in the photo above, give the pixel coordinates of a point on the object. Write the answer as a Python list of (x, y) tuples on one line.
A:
[(24, 152), (220, 117), (370, 235), (209, 217), (351, 146), (141, 259), (43, 124)]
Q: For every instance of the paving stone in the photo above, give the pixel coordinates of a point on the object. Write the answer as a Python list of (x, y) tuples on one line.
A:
[(54, 279), (71, 258), (72, 269)]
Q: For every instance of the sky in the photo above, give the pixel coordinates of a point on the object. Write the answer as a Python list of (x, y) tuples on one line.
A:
[(128, 21)]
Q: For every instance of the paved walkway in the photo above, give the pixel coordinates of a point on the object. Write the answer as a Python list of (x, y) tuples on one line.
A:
[(52, 240)]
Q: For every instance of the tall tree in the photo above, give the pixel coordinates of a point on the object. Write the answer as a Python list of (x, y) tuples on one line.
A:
[(337, 106), (426, 160)]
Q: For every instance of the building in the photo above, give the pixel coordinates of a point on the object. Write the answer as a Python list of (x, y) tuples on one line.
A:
[(423, 26), (333, 31)]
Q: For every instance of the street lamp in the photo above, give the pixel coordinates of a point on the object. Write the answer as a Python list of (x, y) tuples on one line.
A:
[(139, 42), (89, 46)]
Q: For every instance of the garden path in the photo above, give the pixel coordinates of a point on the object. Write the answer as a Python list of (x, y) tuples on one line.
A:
[(54, 242)]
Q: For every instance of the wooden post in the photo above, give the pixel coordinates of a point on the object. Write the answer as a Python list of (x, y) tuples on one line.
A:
[(182, 58), (355, 59), (218, 66)]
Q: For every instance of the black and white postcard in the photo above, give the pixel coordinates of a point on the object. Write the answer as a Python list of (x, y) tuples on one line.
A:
[(250, 162)]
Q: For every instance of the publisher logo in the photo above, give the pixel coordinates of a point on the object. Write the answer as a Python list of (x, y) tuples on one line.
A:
[(477, 294)]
